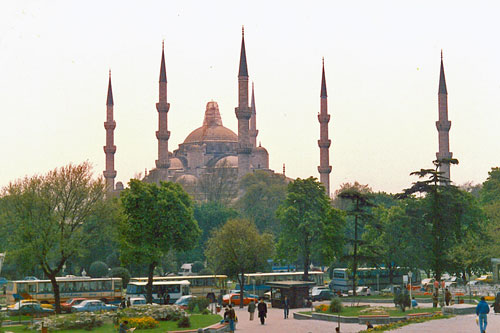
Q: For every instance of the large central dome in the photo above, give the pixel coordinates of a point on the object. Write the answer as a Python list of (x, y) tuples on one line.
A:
[(212, 129)]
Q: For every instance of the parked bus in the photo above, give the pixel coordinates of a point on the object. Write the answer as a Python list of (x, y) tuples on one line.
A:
[(200, 285), (106, 289), (375, 278), (255, 283), (176, 289)]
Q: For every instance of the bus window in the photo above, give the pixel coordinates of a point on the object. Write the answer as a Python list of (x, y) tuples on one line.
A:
[(86, 286), (32, 288), (93, 286), (106, 285), (118, 285), (185, 290), (22, 288)]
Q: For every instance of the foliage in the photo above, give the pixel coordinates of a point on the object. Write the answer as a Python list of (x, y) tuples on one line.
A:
[(398, 324), (238, 248), (263, 193), (402, 300), (309, 224), (206, 271), (359, 212), (205, 312), (321, 308), (336, 305), (98, 269), (142, 323), (73, 321), (165, 312), (52, 217), (200, 303), (121, 272), (197, 266), (158, 218), (184, 322)]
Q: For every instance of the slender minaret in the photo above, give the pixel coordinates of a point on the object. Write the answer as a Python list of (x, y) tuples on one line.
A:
[(253, 121), (110, 148), (443, 126), (243, 113), (324, 168), (162, 106)]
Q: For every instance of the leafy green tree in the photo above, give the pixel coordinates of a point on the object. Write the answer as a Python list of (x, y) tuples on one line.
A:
[(52, 217), (309, 224), (263, 193), (238, 248), (197, 267), (158, 218), (359, 212), (120, 272), (98, 269)]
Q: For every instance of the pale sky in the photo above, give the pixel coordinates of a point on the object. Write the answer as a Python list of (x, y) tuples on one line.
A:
[(382, 69)]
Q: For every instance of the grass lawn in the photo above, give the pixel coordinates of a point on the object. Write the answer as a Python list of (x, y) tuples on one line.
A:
[(197, 321)]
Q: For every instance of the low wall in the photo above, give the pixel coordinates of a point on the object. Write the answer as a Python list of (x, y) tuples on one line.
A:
[(459, 309), (374, 319)]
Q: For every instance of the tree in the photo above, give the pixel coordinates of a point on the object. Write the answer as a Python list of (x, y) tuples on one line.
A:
[(263, 193), (238, 248), (359, 211), (197, 267), (309, 224), (157, 218), (98, 269), (50, 217)]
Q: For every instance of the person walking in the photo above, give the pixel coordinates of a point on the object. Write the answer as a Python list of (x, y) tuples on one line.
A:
[(262, 308), (482, 310), (251, 308), (286, 307), (231, 316), (447, 296)]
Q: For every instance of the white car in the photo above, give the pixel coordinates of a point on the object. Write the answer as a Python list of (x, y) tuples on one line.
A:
[(137, 301), (361, 291)]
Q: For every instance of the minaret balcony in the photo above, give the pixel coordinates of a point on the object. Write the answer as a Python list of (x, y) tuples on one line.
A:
[(445, 155), (109, 149), (243, 114), (443, 125), (323, 118), (163, 107), (110, 125), (109, 173), (324, 143), (163, 135), (326, 169), (162, 164)]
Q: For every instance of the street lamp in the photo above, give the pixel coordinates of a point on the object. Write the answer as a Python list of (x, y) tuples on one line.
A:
[(409, 277)]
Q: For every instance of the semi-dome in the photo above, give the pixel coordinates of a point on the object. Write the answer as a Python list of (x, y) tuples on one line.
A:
[(212, 129), (187, 179), (175, 163), (228, 162)]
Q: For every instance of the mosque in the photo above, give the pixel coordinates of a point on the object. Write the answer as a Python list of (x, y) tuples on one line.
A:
[(212, 145)]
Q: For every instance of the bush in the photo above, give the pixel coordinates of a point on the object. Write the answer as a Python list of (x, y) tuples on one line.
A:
[(166, 312), (184, 322), (198, 304), (402, 300), (142, 323), (197, 267), (205, 312), (74, 321), (206, 271), (98, 269), (121, 272), (321, 308), (336, 305)]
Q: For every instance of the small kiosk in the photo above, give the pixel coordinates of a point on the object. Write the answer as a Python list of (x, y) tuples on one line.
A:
[(296, 291)]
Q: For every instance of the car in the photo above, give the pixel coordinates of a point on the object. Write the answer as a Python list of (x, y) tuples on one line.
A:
[(184, 301), (29, 309), (93, 305), (66, 306), (321, 294), (361, 291), (30, 278), (16, 305), (487, 278), (235, 299), (245, 294), (134, 301)]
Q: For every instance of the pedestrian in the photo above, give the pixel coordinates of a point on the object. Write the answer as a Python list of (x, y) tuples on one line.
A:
[(262, 308), (128, 302), (123, 327), (286, 307), (496, 305), (414, 303), (482, 310), (447, 296), (435, 298), (251, 308), (167, 301), (369, 325), (231, 316)]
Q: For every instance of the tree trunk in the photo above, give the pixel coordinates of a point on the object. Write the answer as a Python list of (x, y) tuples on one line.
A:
[(355, 256), (391, 274), (149, 286), (241, 279), (305, 277), (57, 296)]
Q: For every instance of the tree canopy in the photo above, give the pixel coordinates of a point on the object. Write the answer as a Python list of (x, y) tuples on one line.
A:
[(157, 218)]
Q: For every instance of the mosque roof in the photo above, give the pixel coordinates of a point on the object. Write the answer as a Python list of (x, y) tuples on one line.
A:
[(212, 129)]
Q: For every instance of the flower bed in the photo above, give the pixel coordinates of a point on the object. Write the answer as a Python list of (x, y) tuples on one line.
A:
[(142, 322), (164, 312), (79, 320)]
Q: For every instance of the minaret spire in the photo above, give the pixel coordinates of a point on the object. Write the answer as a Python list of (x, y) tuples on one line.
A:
[(163, 163), (243, 113), (443, 126), (253, 121), (110, 148), (324, 168)]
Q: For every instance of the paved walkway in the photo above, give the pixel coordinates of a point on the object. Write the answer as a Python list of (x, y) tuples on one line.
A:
[(458, 324)]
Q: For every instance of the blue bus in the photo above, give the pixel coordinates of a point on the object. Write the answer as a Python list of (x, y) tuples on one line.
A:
[(375, 278), (255, 283)]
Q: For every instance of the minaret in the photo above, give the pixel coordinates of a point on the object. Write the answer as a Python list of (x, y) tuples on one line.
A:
[(253, 121), (162, 106), (110, 148), (243, 113), (324, 168), (443, 126)]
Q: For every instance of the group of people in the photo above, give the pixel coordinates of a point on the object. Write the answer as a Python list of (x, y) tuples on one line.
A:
[(261, 307)]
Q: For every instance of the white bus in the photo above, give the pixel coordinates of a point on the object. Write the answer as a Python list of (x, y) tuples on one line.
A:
[(108, 290), (175, 289), (199, 285), (255, 283)]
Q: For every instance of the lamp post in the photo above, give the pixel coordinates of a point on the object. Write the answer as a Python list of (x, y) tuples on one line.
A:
[(409, 278)]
